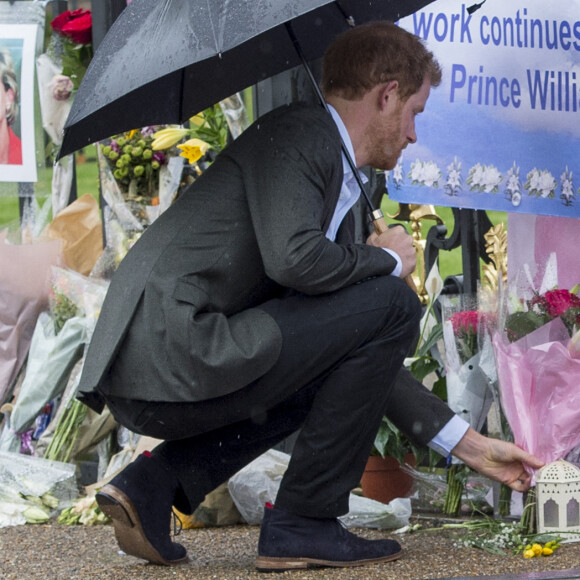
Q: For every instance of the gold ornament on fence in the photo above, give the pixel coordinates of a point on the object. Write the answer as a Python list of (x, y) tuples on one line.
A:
[(416, 214), (496, 248)]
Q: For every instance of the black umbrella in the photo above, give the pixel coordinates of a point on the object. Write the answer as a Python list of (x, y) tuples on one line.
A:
[(163, 61)]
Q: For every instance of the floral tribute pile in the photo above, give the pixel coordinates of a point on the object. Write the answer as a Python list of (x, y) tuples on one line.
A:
[(538, 366)]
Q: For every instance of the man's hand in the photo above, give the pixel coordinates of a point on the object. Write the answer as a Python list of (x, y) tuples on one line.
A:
[(497, 459), (398, 240)]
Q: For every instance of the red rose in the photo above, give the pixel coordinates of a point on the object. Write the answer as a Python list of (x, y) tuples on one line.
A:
[(75, 24), (558, 301)]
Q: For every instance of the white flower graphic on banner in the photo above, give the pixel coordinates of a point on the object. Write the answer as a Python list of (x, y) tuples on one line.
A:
[(453, 183), (396, 175), (541, 183), (513, 186), (567, 187), (484, 178), (425, 173)]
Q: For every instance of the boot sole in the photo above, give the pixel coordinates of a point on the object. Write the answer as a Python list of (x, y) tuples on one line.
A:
[(271, 564), (128, 530)]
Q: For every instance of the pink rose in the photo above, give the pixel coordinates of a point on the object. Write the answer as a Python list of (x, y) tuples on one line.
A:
[(61, 87)]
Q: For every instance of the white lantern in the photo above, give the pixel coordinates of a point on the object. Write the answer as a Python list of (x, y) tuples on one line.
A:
[(558, 499)]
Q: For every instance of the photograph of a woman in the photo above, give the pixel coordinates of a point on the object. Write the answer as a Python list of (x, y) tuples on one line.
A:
[(18, 135), (10, 143)]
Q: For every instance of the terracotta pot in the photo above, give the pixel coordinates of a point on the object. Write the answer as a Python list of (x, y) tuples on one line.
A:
[(383, 479)]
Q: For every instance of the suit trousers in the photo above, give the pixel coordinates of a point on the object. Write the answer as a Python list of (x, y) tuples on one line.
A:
[(340, 356)]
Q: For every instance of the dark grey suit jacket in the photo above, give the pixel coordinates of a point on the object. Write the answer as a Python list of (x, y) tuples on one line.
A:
[(179, 321)]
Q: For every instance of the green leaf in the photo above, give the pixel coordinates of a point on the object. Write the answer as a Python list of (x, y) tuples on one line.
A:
[(519, 324), (435, 335), (440, 388), (424, 366)]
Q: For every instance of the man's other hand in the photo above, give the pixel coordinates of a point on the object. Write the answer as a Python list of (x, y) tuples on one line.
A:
[(398, 240)]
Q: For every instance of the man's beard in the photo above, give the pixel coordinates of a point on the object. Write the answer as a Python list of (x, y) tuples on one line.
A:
[(384, 147)]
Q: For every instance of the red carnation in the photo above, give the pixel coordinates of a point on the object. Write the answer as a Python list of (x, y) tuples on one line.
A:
[(465, 322), (75, 24)]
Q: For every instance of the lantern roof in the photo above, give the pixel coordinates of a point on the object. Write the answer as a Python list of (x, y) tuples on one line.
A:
[(560, 471)]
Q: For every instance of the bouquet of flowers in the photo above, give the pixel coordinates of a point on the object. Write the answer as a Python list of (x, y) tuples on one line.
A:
[(538, 368), (466, 325), (466, 336), (135, 165)]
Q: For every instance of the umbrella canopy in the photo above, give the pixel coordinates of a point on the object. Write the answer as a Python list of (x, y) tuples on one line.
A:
[(163, 61)]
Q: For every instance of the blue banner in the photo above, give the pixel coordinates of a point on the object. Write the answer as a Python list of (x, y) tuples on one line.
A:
[(502, 131)]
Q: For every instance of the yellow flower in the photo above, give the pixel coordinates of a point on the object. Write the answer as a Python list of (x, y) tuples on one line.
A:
[(168, 137), (537, 549), (194, 149), (547, 551), (529, 553), (132, 133)]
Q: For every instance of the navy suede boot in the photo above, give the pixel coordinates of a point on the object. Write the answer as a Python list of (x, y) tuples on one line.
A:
[(291, 542), (139, 501)]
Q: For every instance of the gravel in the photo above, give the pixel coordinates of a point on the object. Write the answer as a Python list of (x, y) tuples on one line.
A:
[(55, 551)]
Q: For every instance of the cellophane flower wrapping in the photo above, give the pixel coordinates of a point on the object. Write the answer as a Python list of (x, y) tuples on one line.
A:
[(466, 338), (58, 342), (129, 210), (538, 366)]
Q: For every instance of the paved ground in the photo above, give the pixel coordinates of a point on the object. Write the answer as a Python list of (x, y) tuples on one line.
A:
[(55, 552)]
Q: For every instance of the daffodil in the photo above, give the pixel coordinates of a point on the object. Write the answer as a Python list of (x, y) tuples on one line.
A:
[(547, 551), (529, 553), (194, 149), (168, 137)]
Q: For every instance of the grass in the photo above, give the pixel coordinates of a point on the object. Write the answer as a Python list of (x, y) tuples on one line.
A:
[(88, 182)]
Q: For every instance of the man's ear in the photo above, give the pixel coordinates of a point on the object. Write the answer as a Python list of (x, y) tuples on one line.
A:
[(387, 91)]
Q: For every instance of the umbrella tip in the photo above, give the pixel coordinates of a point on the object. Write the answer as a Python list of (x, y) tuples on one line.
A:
[(475, 7)]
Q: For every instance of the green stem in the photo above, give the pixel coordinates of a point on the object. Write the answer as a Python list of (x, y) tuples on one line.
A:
[(420, 341), (528, 519), (455, 486), (505, 497)]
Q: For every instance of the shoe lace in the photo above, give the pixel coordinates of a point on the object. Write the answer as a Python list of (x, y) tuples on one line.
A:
[(177, 524)]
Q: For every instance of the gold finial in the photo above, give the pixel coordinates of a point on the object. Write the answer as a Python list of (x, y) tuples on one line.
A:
[(496, 248)]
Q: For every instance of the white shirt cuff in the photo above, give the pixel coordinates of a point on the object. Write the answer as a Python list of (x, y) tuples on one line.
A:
[(449, 436), (399, 267)]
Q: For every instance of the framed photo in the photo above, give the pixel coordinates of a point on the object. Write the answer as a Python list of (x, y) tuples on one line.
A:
[(17, 134)]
